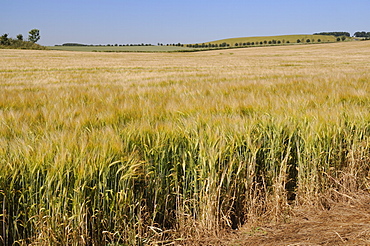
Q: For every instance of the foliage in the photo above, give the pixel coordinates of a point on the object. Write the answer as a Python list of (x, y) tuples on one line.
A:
[(362, 34), (4, 40), (73, 44), (337, 34), (9, 43), (34, 35)]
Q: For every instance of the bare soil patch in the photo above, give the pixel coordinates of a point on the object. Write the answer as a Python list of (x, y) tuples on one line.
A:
[(344, 223)]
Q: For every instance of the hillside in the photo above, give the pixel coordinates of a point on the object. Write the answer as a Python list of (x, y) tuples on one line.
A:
[(281, 38)]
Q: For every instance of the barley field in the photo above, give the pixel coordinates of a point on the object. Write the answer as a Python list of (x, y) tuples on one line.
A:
[(154, 148)]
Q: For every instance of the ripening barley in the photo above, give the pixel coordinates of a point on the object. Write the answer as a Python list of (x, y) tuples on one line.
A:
[(134, 149)]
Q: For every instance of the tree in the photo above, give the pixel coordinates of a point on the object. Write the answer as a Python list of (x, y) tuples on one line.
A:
[(308, 41), (4, 40), (338, 39), (343, 38), (20, 37), (298, 40), (34, 35)]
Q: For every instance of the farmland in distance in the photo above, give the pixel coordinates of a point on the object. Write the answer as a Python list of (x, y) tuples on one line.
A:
[(121, 48), (231, 43)]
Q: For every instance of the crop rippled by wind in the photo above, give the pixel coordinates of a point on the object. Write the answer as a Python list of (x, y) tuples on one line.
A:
[(134, 149)]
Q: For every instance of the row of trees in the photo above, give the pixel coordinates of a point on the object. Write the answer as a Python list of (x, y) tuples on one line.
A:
[(99, 45), (337, 34), (265, 42), (207, 45), (177, 45), (362, 34), (19, 42), (142, 44)]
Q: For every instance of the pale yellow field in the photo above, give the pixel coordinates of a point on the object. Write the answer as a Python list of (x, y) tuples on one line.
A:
[(120, 147), (290, 79)]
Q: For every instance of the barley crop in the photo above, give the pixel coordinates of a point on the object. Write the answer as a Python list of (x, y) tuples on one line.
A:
[(136, 149)]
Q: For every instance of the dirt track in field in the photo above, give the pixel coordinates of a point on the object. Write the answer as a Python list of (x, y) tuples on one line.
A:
[(340, 224)]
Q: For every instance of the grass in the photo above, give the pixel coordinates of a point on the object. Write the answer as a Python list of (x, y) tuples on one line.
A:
[(134, 149)]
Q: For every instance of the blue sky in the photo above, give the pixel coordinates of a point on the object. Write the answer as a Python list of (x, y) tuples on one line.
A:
[(165, 21)]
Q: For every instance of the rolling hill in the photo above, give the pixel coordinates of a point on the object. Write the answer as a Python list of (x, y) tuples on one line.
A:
[(281, 38)]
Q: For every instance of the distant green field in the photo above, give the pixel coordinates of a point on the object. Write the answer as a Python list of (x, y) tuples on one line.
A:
[(282, 39), (120, 48)]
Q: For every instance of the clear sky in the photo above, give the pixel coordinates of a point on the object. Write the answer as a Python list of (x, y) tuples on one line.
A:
[(171, 21)]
